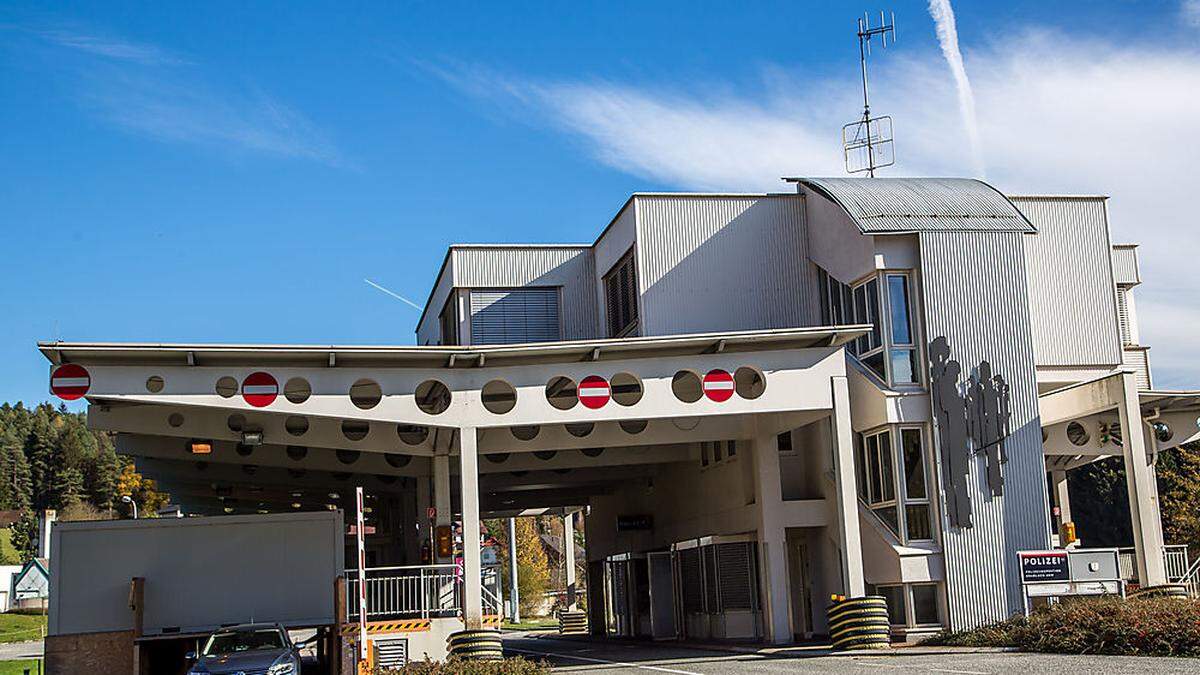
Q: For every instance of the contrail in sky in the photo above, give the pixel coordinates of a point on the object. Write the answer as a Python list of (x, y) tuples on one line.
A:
[(947, 32), (395, 295)]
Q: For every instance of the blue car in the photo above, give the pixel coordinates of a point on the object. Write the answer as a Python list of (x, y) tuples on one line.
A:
[(248, 649)]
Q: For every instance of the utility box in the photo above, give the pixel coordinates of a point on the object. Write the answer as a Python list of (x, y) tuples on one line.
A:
[(200, 573)]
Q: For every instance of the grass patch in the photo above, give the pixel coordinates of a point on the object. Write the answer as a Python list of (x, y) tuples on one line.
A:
[(1111, 626), (542, 623), (19, 667), (8, 554), (21, 627)]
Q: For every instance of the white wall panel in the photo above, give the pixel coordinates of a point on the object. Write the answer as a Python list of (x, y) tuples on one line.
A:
[(1071, 289)]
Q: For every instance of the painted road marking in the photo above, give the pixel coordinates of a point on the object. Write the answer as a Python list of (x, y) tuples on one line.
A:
[(589, 659)]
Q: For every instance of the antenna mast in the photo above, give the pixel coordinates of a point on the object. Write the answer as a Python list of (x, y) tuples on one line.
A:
[(868, 143)]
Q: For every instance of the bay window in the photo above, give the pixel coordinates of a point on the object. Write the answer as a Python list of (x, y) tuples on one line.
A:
[(892, 478), (890, 348)]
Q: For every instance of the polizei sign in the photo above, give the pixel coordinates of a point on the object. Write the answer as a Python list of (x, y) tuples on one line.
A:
[(1045, 566)]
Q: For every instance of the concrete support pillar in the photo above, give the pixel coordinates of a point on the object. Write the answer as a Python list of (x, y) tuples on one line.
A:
[(1062, 499), (1140, 482), (772, 538), (514, 595), (849, 536), (441, 496), (569, 557), (472, 565)]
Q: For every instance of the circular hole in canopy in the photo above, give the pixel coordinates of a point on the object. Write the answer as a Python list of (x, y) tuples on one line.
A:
[(227, 387), (1077, 434), (626, 389), (297, 390), (397, 461), (154, 384), (296, 425), (244, 450), (562, 393), (355, 430), (348, 456), (365, 394), (592, 452), (412, 434), (633, 426), (496, 457), (749, 383), (433, 397), (686, 386), (545, 455), (526, 433), (175, 420), (579, 429), (236, 423), (499, 397), (297, 452)]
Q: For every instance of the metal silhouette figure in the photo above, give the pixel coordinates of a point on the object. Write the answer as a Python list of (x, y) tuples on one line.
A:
[(973, 418)]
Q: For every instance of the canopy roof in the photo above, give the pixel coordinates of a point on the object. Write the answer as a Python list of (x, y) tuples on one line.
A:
[(893, 205)]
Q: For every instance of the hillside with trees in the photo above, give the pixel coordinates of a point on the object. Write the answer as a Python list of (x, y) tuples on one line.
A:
[(49, 459)]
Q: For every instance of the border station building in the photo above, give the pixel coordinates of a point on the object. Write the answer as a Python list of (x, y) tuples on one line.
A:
[(756, 400)]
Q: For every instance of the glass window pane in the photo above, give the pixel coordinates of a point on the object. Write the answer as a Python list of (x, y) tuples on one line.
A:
[(885, 467), (847, 304), (860, 467), (895, 603), (717, 447), (730, 451), (784, 441), (916, 519), (873, 472), (925, 604), (902, 367), (898, 304), (860, 304), (835, 302), (875, 363), (704, 454), (914, 464), (873, 313), (888, 515)]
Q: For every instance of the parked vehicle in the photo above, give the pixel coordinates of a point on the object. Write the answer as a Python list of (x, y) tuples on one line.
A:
[(248, 649)]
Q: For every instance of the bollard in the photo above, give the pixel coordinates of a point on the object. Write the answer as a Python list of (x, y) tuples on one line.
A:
[(859, 623), (476, 645)]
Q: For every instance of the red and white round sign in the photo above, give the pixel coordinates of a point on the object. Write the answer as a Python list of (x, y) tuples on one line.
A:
[(260, 389), (70, 381), (594, 391), (718, 385)]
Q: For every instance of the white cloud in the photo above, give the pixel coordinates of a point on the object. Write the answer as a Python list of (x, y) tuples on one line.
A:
[(1057, 114), (1191, 12), (144, 89), (111, 48)]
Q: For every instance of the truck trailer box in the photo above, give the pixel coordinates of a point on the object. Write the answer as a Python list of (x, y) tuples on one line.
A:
[(199, 573)]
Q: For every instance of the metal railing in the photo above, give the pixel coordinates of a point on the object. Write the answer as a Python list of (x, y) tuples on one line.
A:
[(1176, 563), (418, 591), (1191, 579)]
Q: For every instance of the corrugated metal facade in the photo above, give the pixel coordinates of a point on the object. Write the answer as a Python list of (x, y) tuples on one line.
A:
[(1125, 264), (567, 267), (429, 329), (723, 263), (883, 205), (975, 295), (1071, 291), (1139, 360)]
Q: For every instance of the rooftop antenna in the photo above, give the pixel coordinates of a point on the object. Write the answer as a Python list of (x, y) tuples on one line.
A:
[(868, 143)]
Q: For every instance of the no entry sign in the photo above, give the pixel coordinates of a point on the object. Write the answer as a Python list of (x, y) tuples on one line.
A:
[(260, 389), (718, 385), (70, 381), (594, 392)]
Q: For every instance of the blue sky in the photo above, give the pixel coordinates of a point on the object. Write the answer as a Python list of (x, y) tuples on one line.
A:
[(232, 171)]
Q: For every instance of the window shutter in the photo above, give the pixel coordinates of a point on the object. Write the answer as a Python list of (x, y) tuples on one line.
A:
[(620, 293), (514, 316)]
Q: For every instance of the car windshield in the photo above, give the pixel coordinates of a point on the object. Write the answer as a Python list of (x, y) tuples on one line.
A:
[(235, 641)]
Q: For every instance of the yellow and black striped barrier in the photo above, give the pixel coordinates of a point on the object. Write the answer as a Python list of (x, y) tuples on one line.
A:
[(476, 645), (1178, 591), (380, 627), (859, 623), (572, 623)]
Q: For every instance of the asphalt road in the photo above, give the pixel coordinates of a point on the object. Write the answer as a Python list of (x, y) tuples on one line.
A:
[(14, 651), (610, 657)]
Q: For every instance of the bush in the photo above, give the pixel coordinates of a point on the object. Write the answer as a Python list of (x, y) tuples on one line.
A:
[(1151, 627), (456, 666)]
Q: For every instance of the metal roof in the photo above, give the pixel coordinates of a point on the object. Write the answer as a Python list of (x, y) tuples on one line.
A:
[(891, 205), (414, 356)]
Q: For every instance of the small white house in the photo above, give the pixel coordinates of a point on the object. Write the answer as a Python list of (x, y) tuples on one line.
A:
[(31, 585)]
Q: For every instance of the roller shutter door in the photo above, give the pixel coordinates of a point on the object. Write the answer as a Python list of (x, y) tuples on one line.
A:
[(514, 316)]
